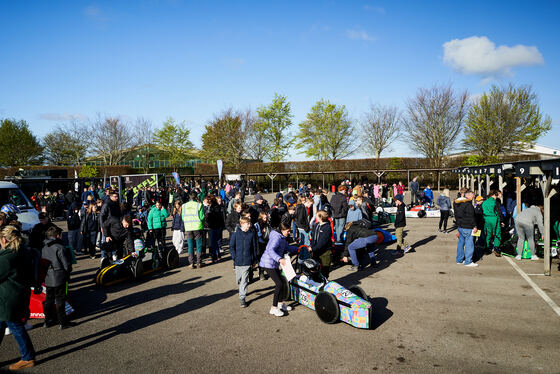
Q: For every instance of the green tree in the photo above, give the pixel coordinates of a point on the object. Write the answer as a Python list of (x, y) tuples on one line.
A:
[(18, 144), (326, 134), (505, 120), (277, 120), (223, 138), (173, 140), (66, 145), (88, 171)]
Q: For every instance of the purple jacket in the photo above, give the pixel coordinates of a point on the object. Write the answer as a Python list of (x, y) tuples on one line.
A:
[(275, 249)]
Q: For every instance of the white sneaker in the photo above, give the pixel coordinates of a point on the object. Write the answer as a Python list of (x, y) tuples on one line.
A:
[(285, 308), (275, 311), (535, 258), (472, 265), (518, 257), (460, 263)]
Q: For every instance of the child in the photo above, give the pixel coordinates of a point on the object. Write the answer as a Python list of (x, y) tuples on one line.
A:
[(243, 250), (178, 227), (57, 275), (321, 244), (400, 224)]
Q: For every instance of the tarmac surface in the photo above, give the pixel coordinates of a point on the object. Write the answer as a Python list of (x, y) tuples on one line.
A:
[(430, 316)]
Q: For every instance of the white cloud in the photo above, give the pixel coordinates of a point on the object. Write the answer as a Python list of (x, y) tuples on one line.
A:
[(62, 117), (479, 55), (360, 35), (376, 9)]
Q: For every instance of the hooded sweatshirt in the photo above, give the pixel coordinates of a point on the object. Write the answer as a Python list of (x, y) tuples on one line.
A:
[(464, 213)]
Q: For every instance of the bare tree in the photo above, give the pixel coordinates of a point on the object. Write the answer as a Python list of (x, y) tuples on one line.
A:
[(144, 149), (111, 137), (382, 126), (67, 144), (433, 121)]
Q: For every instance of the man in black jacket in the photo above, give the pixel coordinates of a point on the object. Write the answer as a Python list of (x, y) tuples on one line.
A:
[(466, 225), (339, 205)]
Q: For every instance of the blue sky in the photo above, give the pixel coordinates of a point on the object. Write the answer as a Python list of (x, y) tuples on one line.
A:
[(192, 59)]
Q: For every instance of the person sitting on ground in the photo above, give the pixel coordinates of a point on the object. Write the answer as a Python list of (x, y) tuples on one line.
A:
[(525, 226), (243, 249)]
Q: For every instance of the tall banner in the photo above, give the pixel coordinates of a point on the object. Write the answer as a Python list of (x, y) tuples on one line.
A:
[(220, 166), (105, 179), (176, 176), (76, 185)]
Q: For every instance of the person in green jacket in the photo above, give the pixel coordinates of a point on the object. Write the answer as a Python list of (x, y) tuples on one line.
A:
[(157, 225), (492, 224), (193, 218), (14, 294)]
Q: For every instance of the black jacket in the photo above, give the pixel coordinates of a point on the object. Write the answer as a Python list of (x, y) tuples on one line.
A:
[(214, 217), (73, 218), (464, 213), (354, 232), (60, 260), (339, 205), (110, 209), (232, 221), (400, 217), (90, 223), (302, 219), (321, 240), (37, 236)]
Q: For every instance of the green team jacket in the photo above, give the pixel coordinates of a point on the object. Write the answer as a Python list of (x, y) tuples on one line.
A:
[(489, 208), (193, 216), (156, 218)]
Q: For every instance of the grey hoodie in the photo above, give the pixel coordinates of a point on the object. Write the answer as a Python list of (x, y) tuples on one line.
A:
[(530, 217)]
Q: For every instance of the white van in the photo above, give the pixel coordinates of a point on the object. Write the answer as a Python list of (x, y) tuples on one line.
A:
[(11, 194)]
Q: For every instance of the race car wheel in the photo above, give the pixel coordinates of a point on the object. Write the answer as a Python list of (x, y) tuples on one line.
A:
[(172, 258), (326, 307), (358, 291), (286, 294), (137, 269), (421, 214)]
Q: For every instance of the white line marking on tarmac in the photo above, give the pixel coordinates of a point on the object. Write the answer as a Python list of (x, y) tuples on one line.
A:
[(537, 289)]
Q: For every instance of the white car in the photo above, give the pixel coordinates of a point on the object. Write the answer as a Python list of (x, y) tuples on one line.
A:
[(11, 194)]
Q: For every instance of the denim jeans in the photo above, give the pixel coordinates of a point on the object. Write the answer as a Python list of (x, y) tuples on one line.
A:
[(303, 240), (465, 246), (22, 338), (339, 224), (74, 241), (368, 243)]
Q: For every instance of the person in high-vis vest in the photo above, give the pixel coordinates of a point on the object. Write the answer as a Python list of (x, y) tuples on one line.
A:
[(193, 218)]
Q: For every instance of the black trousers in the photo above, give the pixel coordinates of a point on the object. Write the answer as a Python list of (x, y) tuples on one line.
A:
[(278, 285), (57, 293), (444, 216)]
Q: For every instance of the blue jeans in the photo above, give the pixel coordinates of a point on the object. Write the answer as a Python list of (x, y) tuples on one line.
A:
[(368, 243), (74, 241), (22, 338), (304, 240), (339, 224), (465, 246)]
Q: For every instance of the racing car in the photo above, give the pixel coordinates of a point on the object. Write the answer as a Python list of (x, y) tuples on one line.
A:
[(331, 301), (144, 260)]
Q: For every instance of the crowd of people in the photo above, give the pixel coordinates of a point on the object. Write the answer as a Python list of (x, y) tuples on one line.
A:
[(301, 221)]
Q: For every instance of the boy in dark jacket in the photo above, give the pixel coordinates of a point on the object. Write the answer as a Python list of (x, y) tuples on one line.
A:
[(400, 224), (339, 205), (58, 274), (243, 250)]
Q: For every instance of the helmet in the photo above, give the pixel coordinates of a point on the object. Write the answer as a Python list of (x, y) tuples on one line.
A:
[(312, 269), (10, 208), (138, 245)]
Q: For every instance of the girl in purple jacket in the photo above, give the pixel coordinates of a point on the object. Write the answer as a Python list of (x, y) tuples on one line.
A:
[(272, 257)]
